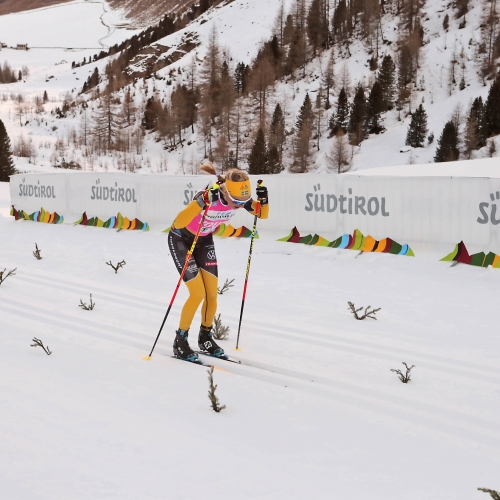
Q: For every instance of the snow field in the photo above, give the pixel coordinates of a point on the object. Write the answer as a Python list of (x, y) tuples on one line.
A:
[(317, 414), (76, 26)]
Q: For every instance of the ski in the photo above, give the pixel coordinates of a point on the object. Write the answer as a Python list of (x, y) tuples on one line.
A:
[(197, 362), (225, 358)]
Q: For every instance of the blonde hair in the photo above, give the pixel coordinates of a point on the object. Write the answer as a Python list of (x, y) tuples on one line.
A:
[(236, 175)]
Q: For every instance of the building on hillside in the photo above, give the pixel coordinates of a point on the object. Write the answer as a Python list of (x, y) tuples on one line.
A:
[(3, 45), (22, 46)]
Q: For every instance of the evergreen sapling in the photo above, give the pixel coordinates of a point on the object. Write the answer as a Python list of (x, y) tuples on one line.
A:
[(221, 332), (226, 286), (36, 253), (404, 377), (214, 400)]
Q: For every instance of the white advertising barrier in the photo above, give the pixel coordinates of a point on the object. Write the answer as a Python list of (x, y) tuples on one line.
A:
[(431, 210)]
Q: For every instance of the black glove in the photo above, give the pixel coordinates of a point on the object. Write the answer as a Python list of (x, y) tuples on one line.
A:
[(262, 194)]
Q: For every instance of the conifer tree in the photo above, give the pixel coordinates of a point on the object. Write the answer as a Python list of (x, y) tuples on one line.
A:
[(338, 158), (150, 119), (329, 78), (262, 77), (340, 120), (210, 74), (357, 119), (274, 165), (375, 108), (417, 130), (241, 77), (302, 141), (6, 164), (128, 108), (447, 149), (107, 123), (492, 109), (471, 141), (227, 86), (475, 130), (387, 79), (406, 68), (317, 25), (257, 161), (306, 114), (277, 131)]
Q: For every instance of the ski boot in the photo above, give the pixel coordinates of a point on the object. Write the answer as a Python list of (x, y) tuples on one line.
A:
[(181, 347), (207, 344)]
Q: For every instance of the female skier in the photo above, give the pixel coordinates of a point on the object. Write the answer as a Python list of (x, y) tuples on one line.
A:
[(232, 192)]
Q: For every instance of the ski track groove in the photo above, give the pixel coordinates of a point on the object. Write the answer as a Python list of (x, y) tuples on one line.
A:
[(367, 391), (358, 396), (387, 353), (475, 431), (110, 291), (111, 296), (365, 348), (66, 321)]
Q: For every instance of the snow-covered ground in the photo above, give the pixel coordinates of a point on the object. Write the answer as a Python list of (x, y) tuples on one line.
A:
[(78, 24), (484, 167), (57, 36), (315, 413)]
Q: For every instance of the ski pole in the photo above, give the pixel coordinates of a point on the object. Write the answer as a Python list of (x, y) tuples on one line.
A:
[(254, 232), (188, 258)]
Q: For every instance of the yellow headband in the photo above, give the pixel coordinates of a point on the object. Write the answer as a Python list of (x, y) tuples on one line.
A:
[(240, 189)]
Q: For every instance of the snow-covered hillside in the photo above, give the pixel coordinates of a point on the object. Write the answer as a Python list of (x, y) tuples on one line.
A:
[(241, 27), (314, 411)]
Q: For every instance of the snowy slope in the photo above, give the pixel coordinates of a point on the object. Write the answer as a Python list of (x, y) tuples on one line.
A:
[(389, 148), (241, 27), (317, 414), (74, 26)]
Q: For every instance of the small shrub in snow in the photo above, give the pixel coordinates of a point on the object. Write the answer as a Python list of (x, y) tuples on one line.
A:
[(366, 314), (87, 307), (405, 378), (4, 276), (221, 332), (214, 400), (494, 494), (36, 253), (39, 343), (225, 287), (120, 264)]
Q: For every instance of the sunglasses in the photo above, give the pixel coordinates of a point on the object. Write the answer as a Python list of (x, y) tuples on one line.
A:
[(240, 203)]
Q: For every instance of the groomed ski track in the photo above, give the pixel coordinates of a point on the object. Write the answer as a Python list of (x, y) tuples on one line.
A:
[(298, 339)]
